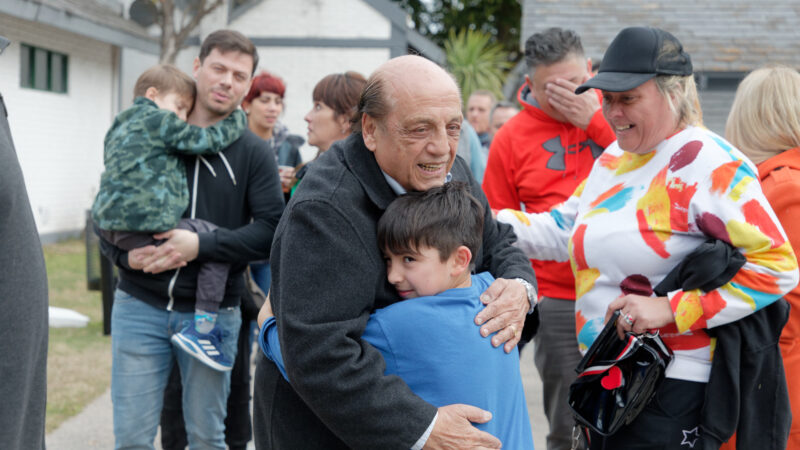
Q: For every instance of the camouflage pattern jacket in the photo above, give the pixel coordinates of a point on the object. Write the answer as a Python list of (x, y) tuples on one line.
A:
[(143, 187), (238, 190)]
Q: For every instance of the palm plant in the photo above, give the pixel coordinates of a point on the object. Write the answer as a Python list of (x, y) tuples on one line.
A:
[(475, 62)]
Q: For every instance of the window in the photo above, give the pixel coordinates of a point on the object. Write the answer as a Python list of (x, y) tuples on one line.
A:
[(43, 69)]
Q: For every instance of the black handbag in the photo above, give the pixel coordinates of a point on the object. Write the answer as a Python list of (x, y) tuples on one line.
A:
[(617, 378)]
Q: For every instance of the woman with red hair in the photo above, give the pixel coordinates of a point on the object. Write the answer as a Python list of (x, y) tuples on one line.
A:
[(264, 106)]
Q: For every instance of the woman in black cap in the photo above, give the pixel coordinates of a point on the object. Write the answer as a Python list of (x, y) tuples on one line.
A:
[(663, 188)]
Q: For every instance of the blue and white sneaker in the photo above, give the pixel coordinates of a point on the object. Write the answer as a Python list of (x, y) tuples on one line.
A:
[(204, 346)]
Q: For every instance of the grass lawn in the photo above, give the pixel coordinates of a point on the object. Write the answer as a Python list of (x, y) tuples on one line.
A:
[(79, 359)]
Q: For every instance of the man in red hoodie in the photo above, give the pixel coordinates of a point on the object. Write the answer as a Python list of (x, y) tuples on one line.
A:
[(537, 159)]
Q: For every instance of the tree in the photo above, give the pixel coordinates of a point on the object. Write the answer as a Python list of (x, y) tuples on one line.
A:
[(176, 18), (175, 28), (500, 19), (475, 62)]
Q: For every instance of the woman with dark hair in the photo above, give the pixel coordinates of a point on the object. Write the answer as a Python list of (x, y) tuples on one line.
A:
[(335, 100), (264, 106)]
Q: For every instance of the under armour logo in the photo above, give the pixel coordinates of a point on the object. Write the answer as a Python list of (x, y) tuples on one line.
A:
[(557, 162), (690, 437)]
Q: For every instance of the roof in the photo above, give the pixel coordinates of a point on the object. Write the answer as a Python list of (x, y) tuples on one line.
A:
[(91, 18), (720, 35)]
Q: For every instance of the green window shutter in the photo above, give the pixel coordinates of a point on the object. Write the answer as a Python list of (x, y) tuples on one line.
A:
[(43, 69)]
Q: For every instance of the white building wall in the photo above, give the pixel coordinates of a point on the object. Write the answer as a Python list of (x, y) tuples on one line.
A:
[(59, 137), (134, 63), (302, 67), (314, 18)]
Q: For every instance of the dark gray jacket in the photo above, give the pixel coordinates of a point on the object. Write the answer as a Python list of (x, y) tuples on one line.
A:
[(23, 297), (327, 277)]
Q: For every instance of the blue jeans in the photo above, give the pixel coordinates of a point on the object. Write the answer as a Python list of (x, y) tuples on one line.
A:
[(142, 358), (261, 275)]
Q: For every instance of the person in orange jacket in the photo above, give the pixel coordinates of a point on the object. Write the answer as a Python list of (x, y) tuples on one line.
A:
[(764, 123)]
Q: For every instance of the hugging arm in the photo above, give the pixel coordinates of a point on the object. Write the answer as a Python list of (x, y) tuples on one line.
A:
[(506, 299), (320, 323), (544, 236), (187, 139)]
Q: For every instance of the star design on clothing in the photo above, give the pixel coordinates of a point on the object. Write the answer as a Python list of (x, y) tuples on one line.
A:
[(690, 437)]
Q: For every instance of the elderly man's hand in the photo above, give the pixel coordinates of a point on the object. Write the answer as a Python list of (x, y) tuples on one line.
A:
[(506, 307), (453, 429), (181, 246), (578, 109)]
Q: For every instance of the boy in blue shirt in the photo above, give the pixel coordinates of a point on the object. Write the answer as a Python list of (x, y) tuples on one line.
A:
[(430, 340)]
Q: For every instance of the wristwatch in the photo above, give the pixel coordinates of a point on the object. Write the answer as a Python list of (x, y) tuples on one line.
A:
[(530, 290)]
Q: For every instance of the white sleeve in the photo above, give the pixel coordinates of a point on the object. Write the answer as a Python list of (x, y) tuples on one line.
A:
[(544, 236)]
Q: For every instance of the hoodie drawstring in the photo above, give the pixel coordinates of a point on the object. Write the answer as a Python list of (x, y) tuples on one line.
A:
[(193, 209), (227, 166)]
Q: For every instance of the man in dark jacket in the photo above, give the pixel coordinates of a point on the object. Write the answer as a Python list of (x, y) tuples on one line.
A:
[(328, 276), (23, 296), (239, 191)]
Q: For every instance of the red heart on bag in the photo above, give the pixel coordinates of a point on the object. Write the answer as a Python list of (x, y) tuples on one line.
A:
[(613, 379)]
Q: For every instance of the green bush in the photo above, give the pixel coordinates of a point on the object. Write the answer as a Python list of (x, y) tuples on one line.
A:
[(475, 62)]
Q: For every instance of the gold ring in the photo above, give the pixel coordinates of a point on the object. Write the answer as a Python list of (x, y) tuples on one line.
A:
[(514, 329)]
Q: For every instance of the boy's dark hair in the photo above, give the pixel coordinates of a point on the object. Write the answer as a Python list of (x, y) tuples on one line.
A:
[(167, 79), (551, 46), (443, 218), (226, 41)]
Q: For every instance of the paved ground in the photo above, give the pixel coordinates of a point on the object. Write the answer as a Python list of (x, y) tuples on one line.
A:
[(92, 428)]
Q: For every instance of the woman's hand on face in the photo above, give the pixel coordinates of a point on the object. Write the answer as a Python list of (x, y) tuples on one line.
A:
[(639, 313)]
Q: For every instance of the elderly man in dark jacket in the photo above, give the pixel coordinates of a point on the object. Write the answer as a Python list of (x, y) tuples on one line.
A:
[(23, 296), (329, 275)]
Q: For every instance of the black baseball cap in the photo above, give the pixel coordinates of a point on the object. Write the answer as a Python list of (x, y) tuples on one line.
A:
[(636, 55)]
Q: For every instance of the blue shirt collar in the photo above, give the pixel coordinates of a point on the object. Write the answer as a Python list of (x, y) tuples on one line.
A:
[(400, 190)]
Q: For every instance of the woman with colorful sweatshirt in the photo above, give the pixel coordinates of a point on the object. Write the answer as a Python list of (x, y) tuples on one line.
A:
[(663, 188)]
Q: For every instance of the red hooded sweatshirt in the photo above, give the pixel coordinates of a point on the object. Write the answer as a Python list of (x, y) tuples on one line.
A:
[(536, 162)]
